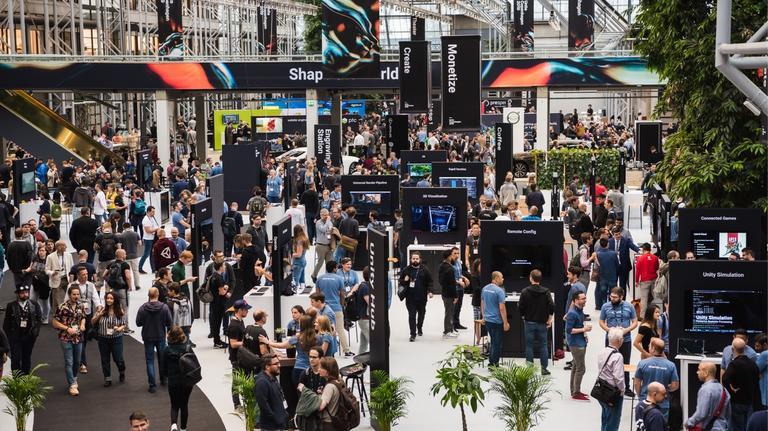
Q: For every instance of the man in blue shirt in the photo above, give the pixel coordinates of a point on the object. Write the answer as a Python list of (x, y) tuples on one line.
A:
[(658, 369), (178, 220), (347, 274), (317, 301), (274, 187), (332, 286), (712, 400), (619, 313), (576, 331), (493, 306), (533, 215), (608, 267), (574, 285)]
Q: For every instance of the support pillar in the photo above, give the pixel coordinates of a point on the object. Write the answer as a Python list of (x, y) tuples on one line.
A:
[(542, 118), (312, 120), (336, 110), (164, 118), (201, 127)]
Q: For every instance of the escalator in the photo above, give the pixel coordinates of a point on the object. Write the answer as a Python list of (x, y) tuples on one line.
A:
[(43, 133)]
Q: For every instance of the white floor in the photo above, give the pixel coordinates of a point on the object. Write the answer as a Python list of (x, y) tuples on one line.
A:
[(418, 362)]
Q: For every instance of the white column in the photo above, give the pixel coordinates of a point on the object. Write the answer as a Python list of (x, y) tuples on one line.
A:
[(542, 118), (164, 118), (311, 120)]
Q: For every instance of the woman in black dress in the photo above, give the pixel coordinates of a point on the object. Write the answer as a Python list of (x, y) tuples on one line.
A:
[(648, 329)]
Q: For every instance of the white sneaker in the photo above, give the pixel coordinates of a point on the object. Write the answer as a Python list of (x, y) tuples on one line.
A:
[(174, 428)]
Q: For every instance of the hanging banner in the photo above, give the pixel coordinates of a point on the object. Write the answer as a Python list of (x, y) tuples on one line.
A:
[(396, 133), (378, 250), (418, 28), (351, 38), (328, 144), (169, 28), (581, 24), (415, 77), (267, 30), (503, 134), (460, 64), (522, 38)]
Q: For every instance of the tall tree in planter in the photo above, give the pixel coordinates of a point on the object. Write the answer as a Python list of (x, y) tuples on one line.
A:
[(715, 159), (25, 393), (456, 377), (523, 396), (389, 400)]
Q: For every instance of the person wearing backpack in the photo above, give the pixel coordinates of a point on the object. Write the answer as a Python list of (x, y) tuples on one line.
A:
[(179, 387), (257, 204), (339, 409), (231, 223), (362, 295), (648, 416), (138, 209), (106, 243)]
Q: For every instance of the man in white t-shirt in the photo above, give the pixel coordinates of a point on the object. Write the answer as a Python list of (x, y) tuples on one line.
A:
[(297, 216), (149, 226), (100, 205)]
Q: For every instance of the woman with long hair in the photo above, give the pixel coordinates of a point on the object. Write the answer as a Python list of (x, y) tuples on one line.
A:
[(110, 323), (325, 331), (329, 400), (49, 227), (477, 290), (178, 390), (303, 342), (647, 330), (42, 290), (293, 325), (299, 263)]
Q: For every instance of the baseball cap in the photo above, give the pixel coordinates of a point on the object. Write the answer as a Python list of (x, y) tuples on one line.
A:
[(22, 288), (241, 304)]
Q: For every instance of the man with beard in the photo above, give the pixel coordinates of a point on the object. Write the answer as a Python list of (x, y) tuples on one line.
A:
[(269, 396)]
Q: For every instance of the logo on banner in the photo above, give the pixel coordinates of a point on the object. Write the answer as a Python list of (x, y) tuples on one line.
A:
[(513, 117)]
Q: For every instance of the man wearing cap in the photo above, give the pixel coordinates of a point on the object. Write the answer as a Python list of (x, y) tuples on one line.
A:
[(22, 326), (236, 334)]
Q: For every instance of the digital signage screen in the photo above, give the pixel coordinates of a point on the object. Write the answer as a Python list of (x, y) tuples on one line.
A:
[(724, 311), (717, 245), (469, 183), (419, 171), (365, 201), (517, 262), (28, 182), (433, 218)]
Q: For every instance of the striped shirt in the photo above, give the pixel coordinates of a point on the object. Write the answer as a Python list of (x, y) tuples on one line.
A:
[(107, 325)]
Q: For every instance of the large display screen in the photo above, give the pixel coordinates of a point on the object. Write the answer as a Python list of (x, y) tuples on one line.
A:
[(724, 311), (469, 183), (366, 201), (433, 218), (230, 118), (419, 171), (517, 262), (268, 125), (717, 245), (28, 182)]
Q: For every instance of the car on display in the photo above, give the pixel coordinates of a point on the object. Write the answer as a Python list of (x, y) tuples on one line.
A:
[(300, 155)]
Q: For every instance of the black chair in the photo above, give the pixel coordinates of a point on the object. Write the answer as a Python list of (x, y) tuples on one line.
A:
[(355, 373)]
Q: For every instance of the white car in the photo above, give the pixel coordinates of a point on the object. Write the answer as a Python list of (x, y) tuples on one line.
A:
[(300, 154)]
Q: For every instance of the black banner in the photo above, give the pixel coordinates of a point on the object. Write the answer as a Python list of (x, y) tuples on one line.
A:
[(169, 28), (461, 82), (396, 133), (523, 34), (418, 28), (351, 38), (581, 24), (415, 77), (328, 144), (378, 250), (434, 116), (504, 154), (267, 30)]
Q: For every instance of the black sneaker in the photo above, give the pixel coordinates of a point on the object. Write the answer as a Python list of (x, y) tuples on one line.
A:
[(152, 390), (421, 334), (141, 271), (122, 377), (545, 372), (210, 335), (568, 367), (459, 326), (349, 354), (412, 339), (629, 393)]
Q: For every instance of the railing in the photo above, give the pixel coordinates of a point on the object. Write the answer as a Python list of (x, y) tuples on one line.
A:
[(386, 57)]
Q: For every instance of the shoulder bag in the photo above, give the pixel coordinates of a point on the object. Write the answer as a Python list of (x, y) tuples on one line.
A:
[(605, 391)]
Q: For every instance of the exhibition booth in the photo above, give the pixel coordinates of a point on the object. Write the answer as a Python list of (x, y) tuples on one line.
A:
[(418, 164), (434, 216), (714, 233), (467, 175)]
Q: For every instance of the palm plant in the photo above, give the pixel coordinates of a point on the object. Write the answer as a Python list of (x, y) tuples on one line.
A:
[(523, 397), (25, 393), (461, 384), (243, 385), (389, 399)]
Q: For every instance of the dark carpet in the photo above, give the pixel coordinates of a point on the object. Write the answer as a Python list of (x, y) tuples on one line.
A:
[(98, 408)]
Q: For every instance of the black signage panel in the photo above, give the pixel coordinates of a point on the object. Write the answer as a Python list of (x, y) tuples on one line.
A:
[(415, 77), (281, 253), (378, 250), (418, 28), (436, 215), (396, 133), (460, 74), (504, 154), (523, 30), (374, 192), (328, 144), (581, 24)]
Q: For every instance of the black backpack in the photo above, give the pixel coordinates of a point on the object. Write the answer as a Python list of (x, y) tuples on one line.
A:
[(640, 419), (107, 247), (257, 205), (351, 311), (348, 415), (115, 276), (190, 367), (229, 226)]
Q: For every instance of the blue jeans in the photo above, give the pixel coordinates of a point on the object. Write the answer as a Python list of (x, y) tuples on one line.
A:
[(495, 331), (147, 252), (297, 270), (111, 347), (273, 199), (536, 332), (611, 417), (71, 360), (149, 352), (601, 293)]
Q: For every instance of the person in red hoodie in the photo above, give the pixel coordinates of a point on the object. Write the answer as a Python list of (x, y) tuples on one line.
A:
[(164, 251), (646, 271)]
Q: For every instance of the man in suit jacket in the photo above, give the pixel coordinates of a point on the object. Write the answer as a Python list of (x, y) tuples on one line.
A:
[(57, 267), (621, 246)]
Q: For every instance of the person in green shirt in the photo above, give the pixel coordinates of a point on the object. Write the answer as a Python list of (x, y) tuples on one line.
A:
[(179, 273)]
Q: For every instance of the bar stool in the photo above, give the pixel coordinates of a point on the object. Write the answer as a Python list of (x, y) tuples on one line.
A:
[(355, 373)]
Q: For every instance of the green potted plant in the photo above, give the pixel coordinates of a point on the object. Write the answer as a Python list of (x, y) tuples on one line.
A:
[(279, 334), (389, 399), (523, 396), (461, 384), (25, 393), (243, 385)]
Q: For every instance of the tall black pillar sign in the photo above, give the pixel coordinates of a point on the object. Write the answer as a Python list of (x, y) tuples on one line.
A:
[(328, 144), (396, 133), (415, 77), (379, 253), (418, 28), (460, 69), (504, 154), (581, 24), (523, 36)]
